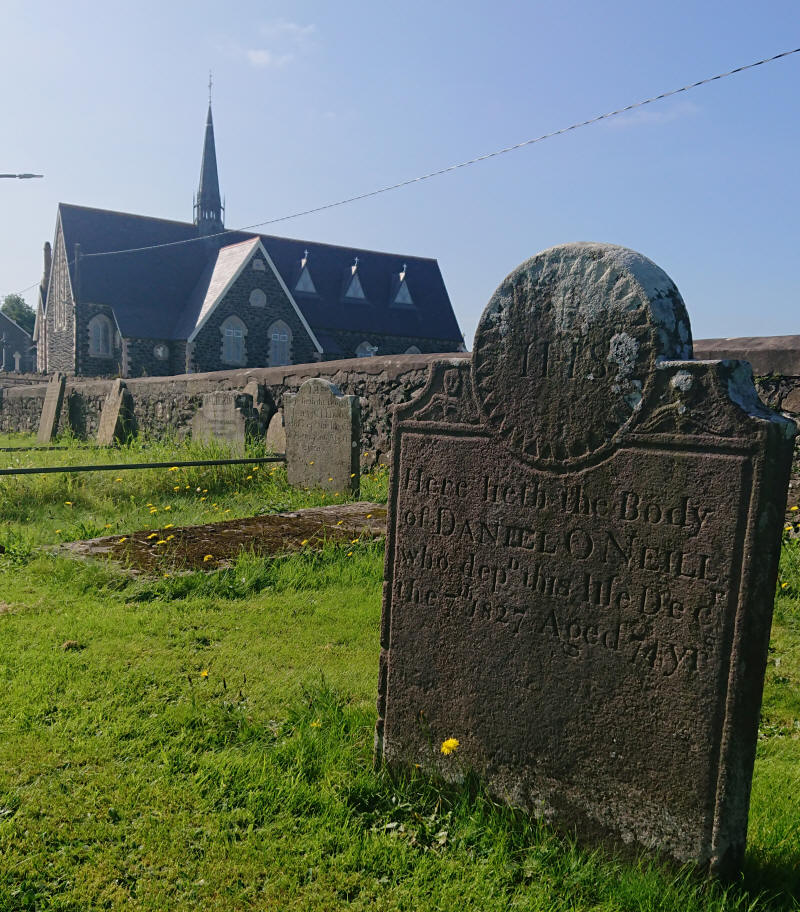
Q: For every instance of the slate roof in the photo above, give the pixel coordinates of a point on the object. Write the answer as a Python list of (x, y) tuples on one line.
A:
[(160, 293)]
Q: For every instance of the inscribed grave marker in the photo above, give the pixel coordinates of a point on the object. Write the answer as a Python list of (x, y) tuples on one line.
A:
[(276, 433), (51, 409), (322, 437), (227, 416), (116, 418), (584, 529)]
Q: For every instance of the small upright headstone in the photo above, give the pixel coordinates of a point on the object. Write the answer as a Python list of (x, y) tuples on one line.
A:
[(583, 539), (226, 416), (322, 437), (276, 433), (51, 410), (116, 417)]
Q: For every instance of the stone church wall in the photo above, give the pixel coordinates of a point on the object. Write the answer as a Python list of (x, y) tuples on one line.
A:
[(60, 332), (207, 346)]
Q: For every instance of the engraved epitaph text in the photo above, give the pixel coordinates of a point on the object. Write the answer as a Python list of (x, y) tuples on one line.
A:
[(574, 588)]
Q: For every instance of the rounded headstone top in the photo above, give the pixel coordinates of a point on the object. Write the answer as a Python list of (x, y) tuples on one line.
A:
[(566, 348)]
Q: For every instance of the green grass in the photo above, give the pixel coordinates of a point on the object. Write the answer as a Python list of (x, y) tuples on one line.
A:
[(46, 509), (129, 779)]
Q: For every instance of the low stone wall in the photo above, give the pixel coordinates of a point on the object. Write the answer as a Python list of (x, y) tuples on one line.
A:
[(166, 405)]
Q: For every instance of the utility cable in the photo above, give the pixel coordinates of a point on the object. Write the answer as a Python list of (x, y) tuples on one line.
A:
[(451, 168)]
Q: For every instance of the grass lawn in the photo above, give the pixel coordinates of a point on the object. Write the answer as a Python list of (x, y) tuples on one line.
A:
[(204, 741)]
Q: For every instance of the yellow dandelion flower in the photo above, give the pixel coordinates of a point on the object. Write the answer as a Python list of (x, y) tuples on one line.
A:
[(170, 537), (172, 469), (58, 531), (369, 516), (784, 585), (187, 487), (340, 522), (249, 478), (152, 535), (202, 498), (170, 526), (312, 462), (353, 541), (161, 541), (177, 488), (795, 508), (208, 557), (123, 539), (304, 541), (205, 490), (352, 474), (349, 553), (204, 673), (107, 526), (117, 479), (168, 507), (449, 745), (316, 723), (166, 576), (67, 503), (227, 511)]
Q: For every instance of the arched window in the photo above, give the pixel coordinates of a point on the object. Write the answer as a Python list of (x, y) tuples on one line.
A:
[(101, 333), (280, 342), (233, 332), (257, 298), (365, 350), (413, 350)]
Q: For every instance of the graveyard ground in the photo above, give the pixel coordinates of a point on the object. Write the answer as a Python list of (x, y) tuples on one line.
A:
[(204, 739)]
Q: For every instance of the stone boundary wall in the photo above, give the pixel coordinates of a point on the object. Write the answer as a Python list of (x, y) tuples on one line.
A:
[(166, 405)]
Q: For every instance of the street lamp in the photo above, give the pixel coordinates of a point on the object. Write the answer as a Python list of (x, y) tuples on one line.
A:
[(22, 176)]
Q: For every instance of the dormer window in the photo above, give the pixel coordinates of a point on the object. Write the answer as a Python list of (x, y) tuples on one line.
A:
[(366, 350), (354, 289), (305, 283), (259, 265), (402, 296)]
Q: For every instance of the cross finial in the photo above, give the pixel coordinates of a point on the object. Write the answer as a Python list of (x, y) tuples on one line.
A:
[(210, 84), (355, 262), (305, 254)]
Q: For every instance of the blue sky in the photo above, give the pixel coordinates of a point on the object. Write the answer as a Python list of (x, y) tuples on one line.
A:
[(315, 101)]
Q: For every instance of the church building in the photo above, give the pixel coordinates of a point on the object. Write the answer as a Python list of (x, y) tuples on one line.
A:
[(129, 295)]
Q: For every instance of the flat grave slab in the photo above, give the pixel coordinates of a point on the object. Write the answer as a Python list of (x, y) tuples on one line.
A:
[(583, 538), (271, 534)]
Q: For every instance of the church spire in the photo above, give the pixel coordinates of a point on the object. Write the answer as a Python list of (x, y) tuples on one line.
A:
[(208, 208)]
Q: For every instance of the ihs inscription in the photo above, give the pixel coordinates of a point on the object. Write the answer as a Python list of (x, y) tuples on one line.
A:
[(570, 328)]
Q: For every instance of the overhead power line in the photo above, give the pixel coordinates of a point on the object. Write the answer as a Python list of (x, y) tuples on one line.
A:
[(450, 168)]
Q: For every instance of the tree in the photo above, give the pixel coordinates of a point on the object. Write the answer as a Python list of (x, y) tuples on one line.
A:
[(16, 308)]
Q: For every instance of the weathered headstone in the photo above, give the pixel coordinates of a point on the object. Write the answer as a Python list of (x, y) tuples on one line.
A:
[(276, 433), (116, 417), (584, 529), (51, 409), (322, 437), (226, 416)]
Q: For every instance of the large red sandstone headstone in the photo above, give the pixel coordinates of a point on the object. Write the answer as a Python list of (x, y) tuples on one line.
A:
[(583, 538)]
